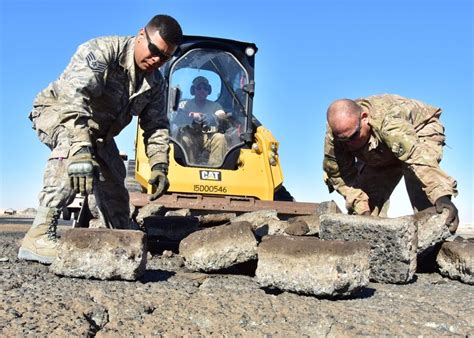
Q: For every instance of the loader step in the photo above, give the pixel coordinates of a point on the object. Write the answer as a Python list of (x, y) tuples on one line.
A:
[(224, 204)]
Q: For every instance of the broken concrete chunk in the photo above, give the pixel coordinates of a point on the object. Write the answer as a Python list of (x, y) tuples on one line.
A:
[(148, 211), (210, 220), (133, 211), (393, 243), (171, 227), (312, 221), (101, 254), (257, 218), (311, 266), (271, 227), (456, 261), (327, 207), (97, 223), (297, 227), (179, 212), (219, 247), (432, 232), (431, 228)]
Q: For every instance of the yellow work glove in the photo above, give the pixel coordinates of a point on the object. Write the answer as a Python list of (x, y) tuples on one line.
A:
[(159, 180), (81, 171)]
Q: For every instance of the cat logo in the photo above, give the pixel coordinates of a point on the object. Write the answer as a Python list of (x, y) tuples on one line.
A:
[(209, 175)]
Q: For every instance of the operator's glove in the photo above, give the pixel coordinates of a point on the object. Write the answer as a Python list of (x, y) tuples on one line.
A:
[(196, 116), (158, 178), (81, 171), (452, 221), (221, 114), (207, 122)]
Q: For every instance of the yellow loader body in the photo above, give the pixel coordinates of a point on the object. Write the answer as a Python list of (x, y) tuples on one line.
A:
[(258, 172)]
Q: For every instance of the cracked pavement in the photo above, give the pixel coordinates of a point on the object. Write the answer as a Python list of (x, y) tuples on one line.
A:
[(169, 300)]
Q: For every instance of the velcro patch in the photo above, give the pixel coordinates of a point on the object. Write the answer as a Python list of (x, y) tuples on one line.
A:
[(94, 64), (398, 149)]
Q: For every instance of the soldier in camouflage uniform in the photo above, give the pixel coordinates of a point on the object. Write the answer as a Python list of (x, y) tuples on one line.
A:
[(372, 142), (107, 82)]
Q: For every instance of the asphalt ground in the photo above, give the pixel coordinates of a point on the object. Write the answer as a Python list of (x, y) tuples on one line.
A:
[(171, 301)]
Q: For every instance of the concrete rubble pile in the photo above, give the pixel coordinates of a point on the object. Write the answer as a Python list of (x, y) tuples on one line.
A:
[(326, 254)]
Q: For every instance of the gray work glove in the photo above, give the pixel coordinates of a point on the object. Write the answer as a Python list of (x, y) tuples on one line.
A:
[(452, 221), (81, 171), (159, 180), (207, 122)]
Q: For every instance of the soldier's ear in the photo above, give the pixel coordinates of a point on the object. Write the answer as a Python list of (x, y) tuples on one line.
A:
[(364, 115)]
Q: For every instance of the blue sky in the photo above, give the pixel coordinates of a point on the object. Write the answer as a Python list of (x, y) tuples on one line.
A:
[(310, 53)]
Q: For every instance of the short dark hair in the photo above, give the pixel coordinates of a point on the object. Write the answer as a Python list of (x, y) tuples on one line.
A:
[(168, 27)]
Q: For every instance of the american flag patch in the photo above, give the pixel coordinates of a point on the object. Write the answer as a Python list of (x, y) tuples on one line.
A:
[(95, 65)]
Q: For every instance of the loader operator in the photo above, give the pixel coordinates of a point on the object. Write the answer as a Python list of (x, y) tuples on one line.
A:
[(372, 142), (108, 80), (203, 134)]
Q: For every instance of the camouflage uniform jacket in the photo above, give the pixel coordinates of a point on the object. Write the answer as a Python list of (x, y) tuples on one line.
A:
[(96, 97), (397, 126)]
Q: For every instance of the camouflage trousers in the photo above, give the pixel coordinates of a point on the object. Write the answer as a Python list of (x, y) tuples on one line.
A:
[(110, 200), (203, 148), (379, 182)]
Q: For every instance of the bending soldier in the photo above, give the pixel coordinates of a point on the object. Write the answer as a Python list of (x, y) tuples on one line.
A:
[(372, 142), (108, 80)]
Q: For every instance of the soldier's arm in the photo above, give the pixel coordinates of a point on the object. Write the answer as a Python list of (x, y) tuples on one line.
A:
[(81, 81), (155, 125), (340, 173), (400, 136)]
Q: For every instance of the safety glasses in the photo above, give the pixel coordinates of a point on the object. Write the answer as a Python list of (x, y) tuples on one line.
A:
[(202, 87), (154, 50), (351, 137)]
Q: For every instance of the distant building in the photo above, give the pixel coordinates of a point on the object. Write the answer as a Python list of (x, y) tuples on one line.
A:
[(10, 211)]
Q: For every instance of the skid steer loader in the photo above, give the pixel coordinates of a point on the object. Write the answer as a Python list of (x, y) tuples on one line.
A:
[(249, 177)]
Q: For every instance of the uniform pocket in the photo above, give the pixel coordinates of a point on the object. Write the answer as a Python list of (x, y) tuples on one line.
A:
[(45, 120)]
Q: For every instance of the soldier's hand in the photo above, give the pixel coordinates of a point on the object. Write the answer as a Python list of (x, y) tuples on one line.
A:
[(81, 171), (196, 116), (452, 221), (221, 114), (159, 179)]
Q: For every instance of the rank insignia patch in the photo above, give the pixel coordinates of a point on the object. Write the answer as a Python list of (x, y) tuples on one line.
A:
[(95, 65)]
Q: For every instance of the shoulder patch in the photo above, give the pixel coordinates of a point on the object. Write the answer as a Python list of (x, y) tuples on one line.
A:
[(398, 149), (94, 64)]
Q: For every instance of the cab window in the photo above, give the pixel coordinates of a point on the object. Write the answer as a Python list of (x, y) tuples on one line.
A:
[(212, 110)]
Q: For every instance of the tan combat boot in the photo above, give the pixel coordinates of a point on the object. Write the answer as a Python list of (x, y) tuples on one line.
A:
[(40, 243)]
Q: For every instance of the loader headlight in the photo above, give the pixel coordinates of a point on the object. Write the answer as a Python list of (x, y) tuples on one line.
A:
[(273, 158), (256, 148), (249, 51)]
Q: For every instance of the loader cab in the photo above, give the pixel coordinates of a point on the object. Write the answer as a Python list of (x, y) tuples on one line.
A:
[(224, 118), (248, 166)]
